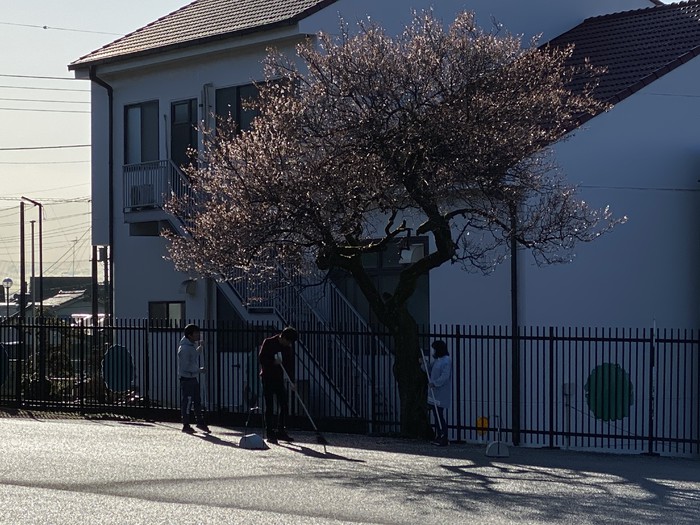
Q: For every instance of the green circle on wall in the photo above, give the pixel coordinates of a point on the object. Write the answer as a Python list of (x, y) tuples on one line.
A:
[(609, 392)]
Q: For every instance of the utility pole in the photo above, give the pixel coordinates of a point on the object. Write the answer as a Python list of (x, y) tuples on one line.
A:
[(75, 241), (32, 284)]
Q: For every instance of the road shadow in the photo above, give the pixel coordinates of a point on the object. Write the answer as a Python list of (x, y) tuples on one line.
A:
[(215, 440), (312, 453)]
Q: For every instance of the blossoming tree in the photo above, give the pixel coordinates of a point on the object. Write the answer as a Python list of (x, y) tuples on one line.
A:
[(361, 136)]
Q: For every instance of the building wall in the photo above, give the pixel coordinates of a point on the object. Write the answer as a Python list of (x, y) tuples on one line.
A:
[(643, 159)]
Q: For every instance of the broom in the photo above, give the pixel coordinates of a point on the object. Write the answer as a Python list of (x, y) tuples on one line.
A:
[(431, 391), (319, 437)]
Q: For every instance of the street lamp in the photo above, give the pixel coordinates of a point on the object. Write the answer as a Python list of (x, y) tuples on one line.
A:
[(41, 257), (7, 284)]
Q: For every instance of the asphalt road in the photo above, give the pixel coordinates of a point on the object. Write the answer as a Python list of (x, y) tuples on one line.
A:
[(56, 471)]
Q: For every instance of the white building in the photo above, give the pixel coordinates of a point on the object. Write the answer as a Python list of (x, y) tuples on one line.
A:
[(151, 87)]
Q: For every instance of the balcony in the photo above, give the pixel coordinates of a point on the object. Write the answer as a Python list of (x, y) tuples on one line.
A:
[(148, 186)]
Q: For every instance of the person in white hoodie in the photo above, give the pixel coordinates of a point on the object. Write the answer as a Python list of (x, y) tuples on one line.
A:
[(188, 370), (440, 389)]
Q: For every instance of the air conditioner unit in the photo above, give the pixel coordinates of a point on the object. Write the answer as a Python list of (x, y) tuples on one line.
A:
[(142, 196)]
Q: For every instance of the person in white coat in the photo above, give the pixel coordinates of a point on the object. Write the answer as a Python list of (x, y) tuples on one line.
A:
[(440, 389)]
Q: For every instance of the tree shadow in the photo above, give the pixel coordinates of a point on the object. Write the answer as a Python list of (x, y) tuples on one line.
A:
[(545, 486)]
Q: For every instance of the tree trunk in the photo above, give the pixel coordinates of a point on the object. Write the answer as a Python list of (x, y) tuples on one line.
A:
[(411, 379)]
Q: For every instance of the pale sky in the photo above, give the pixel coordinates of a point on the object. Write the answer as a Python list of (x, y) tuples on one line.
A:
[(53, 175)]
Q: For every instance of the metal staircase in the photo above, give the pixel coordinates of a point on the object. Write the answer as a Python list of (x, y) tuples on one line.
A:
[(338, 363)]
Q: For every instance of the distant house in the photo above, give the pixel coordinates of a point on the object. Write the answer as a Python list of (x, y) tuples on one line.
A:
[(67, 303), (151, 87)]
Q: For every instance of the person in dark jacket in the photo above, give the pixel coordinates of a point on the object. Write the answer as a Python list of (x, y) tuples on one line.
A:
[(276, 356)]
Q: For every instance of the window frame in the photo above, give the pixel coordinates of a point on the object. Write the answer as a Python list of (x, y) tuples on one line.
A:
[(171, 321)]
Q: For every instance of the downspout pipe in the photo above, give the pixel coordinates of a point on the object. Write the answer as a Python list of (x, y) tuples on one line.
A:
[(109, 306)]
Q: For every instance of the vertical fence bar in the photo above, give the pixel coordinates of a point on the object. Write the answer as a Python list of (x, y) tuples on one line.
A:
[(459, 384), (146, 395), (516, 386), (695, 336), (552, 387), (652, 350)]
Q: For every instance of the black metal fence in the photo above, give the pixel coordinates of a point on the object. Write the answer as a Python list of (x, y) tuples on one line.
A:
[(591, 389)]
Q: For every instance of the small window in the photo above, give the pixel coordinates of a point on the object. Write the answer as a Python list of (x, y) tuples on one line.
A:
[(144, 229), (166, 314)]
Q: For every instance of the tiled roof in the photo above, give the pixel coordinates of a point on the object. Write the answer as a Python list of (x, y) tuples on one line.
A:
[(202, 21), (636, 47)]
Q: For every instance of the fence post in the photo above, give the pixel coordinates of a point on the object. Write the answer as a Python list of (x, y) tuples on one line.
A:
[(552, 388), (460, 382), (652, 393), (515, 371), (146, 364), (82, 376), (19, 355)]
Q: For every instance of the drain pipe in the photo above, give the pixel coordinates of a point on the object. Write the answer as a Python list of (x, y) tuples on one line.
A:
[(109, 303)]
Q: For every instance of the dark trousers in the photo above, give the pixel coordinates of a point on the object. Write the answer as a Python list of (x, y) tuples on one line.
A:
[(190, 399), (275, 389), (440, 424)]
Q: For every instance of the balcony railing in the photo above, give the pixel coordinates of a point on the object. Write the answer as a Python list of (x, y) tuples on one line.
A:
[(149, 185)]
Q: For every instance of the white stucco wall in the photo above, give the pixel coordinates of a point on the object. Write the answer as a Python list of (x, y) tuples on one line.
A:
[(643, 159)]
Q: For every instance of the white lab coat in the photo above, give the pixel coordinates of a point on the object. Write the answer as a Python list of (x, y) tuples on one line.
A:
[(441, 378)]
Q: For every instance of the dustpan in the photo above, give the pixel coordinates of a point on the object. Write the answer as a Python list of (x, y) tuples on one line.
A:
[(497, 449), (252, 441)]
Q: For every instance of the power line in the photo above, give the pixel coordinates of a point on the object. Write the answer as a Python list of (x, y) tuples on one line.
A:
[(46, 147), (54, 200), (54, 218), (59, 199), (36, 76), (46, 100), (47, 162), (45, 88), (60, 29), (44, 110)]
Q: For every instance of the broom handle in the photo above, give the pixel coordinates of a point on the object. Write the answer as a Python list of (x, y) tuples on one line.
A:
[(425, 366), (286, 375), (203, 377)]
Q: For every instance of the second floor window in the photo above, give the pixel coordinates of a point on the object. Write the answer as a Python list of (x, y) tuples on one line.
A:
[(229, 103), (141, 132), (183, 131)]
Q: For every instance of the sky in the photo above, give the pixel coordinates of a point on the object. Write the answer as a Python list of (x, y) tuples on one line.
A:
[(45, 131)]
